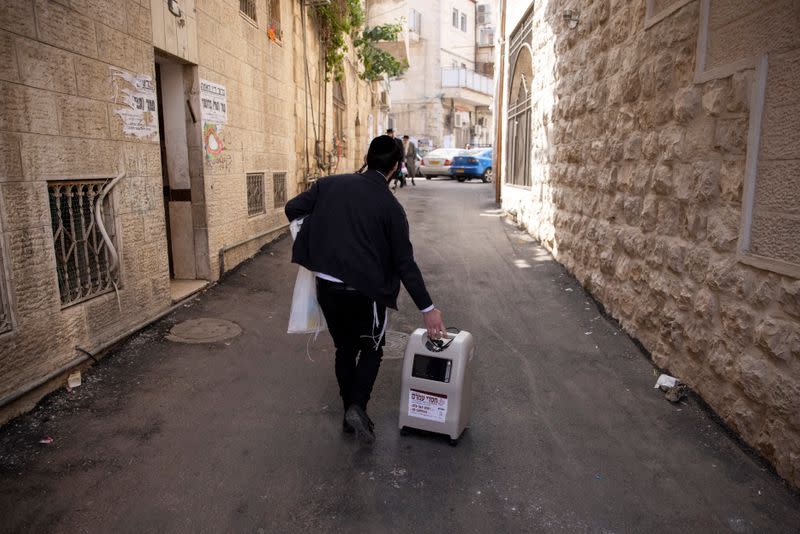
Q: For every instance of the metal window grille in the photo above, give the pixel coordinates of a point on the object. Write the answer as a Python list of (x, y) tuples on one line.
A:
[(275, 16), (82, 255), (5, 313), (518, 153), (463, 22), (279, 189), (455, 18), (248, 8), (255, 194)]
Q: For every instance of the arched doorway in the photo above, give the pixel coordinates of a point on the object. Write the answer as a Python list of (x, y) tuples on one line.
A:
[(518, 154)]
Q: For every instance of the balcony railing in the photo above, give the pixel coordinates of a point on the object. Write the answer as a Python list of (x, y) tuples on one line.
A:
[(468, 79)]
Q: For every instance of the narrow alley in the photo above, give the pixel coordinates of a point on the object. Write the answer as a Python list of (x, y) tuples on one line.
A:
[(244, 435)]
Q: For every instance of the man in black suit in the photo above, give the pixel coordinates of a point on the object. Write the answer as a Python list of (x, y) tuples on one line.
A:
[(410, 155), (398, 177), (355, 238)]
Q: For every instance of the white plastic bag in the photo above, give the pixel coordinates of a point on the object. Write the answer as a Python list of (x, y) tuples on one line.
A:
[(306, 316)]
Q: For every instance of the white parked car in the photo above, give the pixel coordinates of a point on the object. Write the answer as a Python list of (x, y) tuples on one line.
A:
[(437, 162)]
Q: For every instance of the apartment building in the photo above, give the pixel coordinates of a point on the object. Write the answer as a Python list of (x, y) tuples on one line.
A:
[(445, 98)]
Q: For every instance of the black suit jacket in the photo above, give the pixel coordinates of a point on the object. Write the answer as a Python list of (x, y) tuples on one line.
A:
[(356, 230)]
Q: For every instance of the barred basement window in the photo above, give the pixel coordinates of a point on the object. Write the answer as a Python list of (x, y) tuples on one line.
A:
[(5, 313), (255, 194), (279, 189), (84, 259), (248, 9)]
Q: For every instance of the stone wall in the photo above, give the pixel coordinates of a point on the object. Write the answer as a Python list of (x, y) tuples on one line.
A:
[(236, 52), (314, 115), (62, 75), (646, 177), (69, 76)]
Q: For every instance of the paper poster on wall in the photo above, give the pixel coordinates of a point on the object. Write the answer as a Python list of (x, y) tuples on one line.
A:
[(212, 141), (138, 94), (213, 102)]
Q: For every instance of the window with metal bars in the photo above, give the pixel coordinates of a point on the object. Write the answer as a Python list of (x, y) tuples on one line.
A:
[(84, 261), (520, 105), (275, 20), (5, 306), (248, 9), (339, 110), (255, 193), (278, 189)]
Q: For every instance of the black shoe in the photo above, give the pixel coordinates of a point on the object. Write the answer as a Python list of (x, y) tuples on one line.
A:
[(357, 418), (347, 428)]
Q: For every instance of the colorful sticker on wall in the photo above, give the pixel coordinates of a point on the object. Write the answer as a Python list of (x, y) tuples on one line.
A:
[(212, 141), (213, 102), (137, 93)]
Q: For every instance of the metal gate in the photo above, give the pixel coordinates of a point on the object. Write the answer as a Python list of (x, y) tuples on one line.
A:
[(518, 153)]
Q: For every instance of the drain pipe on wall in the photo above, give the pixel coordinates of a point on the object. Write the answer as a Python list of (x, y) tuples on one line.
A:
[(226, 248), (92, 355), (87, 355), (498, 112)]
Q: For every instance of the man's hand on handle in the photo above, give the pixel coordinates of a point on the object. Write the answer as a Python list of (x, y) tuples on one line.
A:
[(434, 324)]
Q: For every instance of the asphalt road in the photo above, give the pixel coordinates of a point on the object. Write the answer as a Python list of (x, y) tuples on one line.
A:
[(567, 434)]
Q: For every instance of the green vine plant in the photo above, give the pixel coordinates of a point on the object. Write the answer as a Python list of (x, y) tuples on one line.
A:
[(341, 18), (337, 20), (377, 62)]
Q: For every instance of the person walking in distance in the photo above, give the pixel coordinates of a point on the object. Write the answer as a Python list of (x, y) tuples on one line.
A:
[(410, 154), (355, 238), (398, 176)]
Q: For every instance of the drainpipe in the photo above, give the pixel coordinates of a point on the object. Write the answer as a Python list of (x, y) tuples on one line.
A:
[(87, 355), (498, 112), (226, 248)]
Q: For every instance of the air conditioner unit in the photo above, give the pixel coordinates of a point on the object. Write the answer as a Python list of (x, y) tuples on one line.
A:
[(484, 18), (485, 8), (462, 119)]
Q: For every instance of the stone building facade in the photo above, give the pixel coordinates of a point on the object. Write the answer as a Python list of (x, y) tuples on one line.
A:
[(147, 147), (652, 146)]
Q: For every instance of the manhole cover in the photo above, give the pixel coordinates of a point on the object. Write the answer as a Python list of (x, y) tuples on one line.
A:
[(203, 330), (395, 347)]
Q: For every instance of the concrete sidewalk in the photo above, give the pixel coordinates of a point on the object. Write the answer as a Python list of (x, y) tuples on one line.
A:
[(568, 433)]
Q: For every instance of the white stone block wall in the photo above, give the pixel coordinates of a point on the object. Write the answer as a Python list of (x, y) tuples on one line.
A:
[(639, 187), (58, 121), (61, 120)]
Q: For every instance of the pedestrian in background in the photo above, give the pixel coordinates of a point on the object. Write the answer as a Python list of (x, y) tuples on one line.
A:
[(399, 177), (410, 155), (355, 238)]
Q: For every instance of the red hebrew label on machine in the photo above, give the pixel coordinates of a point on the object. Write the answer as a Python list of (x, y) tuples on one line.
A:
[(426, 405)]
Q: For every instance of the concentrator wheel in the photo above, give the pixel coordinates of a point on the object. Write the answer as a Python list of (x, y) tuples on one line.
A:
[(404, 431), (453, 442)]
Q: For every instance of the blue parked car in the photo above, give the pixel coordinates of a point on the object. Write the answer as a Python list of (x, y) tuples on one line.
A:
[(476, 163)]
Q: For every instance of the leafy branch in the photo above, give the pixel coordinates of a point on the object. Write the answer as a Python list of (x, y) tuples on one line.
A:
[(337, 20), (341, 18), (377, 62)]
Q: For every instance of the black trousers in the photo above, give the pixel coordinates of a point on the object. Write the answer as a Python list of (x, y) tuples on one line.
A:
[(351, 318)]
